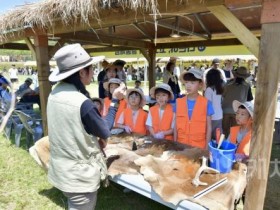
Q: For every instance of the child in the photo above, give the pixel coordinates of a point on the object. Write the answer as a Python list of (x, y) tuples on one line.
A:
[(110, 86), (98, 102), (241, 134), (160, 120), (137, 85), (133, 118), (193, 112), (214, 93)]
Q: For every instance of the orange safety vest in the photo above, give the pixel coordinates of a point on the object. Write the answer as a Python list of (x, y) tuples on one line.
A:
[(107, 102), (165, 122), (244, 146), (192, 132), (140, 124)]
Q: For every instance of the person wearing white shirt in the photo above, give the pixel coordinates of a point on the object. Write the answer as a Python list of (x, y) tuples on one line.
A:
[(13, 74), (215, 65)]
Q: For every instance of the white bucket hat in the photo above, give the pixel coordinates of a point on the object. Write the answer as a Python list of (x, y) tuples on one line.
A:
[(198, 74), (143, 99), (70, 59), (248, 105), (162, 86), (111, 81)]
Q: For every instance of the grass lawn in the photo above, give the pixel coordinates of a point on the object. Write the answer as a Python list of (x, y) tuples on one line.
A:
[(24, 186)]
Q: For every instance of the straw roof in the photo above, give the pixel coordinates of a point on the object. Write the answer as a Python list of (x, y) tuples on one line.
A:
[(125, 24), (44, 14)]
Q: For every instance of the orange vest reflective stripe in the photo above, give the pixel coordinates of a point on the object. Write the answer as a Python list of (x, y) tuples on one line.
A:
[(244, 146), (140, 124), (107, 102), (165, 122), (192, 132)]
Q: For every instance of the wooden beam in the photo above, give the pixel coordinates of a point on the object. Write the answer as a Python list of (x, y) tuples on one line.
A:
[(14, 46), (146, 54), (41, 47), (21, 34), (106, 49), (203, 26), (237, 28), (136, 25), (103, 39), (30, 46), (219, 42), (181, 30)]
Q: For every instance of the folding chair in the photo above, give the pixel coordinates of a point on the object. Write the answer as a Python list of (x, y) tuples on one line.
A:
[(32, 124)]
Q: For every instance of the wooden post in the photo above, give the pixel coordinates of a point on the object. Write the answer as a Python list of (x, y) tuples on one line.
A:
[(151, 58), (265, 107), (41, 48)]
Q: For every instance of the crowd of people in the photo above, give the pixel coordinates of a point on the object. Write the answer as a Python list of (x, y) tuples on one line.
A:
[(213, 100), (23, 92)]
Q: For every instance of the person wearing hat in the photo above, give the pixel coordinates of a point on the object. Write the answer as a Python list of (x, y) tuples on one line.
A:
[(77, 164), (24, 88), (120, 71), (242, 133), (100, 79), (133, 118), (161, 117), (237, 89), (215, 65), (193, 112), (110, 87)]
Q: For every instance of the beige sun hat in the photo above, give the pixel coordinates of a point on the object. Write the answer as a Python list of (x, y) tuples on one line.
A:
[(248, 105), (70, 59), (196, 72), (162, 86), (143, 100), (111, 81), (241, 72)]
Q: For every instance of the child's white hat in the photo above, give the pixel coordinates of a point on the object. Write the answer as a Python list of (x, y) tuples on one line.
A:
[(196, 72), (111, 81), (143, 99), (248, 105), (162, 86)]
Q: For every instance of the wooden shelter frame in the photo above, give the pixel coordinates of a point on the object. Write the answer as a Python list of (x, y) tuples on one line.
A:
[(85, 30)]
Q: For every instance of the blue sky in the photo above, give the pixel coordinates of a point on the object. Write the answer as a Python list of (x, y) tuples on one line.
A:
[(9, 4)]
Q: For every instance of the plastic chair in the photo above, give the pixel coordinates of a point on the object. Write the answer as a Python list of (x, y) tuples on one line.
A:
[(32, 124)]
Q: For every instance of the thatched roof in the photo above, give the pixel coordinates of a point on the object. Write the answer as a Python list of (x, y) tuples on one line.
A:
[(43, 14), (126, 24)]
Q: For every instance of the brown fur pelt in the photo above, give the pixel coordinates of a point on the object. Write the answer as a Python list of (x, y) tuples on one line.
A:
[(171, 175), (124, 164), (40, 151)]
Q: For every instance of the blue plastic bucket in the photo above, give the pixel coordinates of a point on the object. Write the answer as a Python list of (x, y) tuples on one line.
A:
[(222, 159)]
